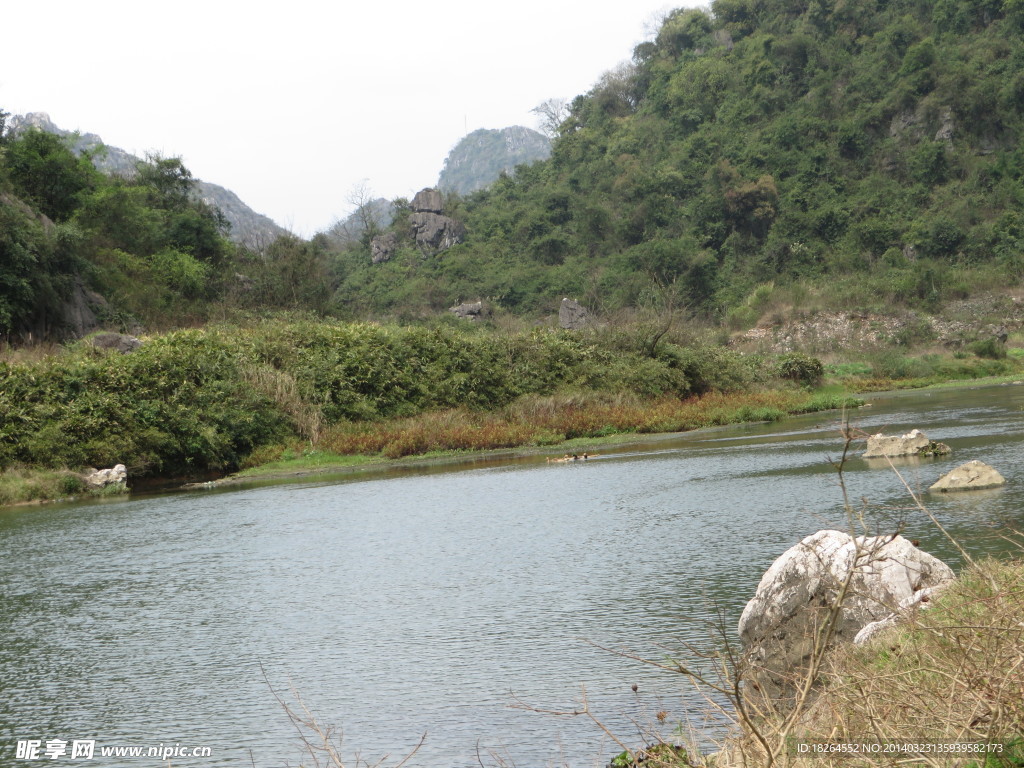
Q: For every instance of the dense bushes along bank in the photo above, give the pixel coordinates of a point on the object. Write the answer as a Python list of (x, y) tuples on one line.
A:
[(199, 401)]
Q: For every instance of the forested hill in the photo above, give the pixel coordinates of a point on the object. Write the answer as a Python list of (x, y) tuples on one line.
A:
[(865, 150), (246, 225), (758, 158)]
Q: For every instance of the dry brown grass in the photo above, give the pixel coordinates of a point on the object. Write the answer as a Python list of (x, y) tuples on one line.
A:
[(281, 387), (30, 353), (548, 420), (954, 673)]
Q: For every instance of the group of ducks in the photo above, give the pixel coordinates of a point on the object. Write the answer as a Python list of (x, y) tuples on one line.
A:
[(572, 457)]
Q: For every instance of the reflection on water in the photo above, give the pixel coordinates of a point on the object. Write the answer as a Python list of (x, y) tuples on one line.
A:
[(429, 600)]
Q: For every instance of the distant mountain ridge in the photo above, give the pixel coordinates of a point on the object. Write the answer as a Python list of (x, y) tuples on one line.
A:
[(483, 155), (248, 227)]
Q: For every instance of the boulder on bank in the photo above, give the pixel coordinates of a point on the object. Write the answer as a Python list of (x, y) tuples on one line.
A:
[(914, 443), (972, 476), (99, 479), (782, 624)]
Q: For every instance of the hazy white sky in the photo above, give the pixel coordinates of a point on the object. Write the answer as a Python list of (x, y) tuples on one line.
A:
[(293, 104)]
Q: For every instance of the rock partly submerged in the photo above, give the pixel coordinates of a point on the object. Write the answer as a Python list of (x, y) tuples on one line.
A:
[(972, 476), (871, 578), (914, 443)]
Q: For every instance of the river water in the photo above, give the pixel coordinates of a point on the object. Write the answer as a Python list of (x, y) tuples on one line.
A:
[(442, 600)]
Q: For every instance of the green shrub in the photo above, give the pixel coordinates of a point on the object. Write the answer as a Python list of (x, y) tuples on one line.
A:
[(800, 368), (991, 349)]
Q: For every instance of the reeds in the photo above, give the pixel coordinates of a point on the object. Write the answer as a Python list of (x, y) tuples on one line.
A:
[(549, 420)]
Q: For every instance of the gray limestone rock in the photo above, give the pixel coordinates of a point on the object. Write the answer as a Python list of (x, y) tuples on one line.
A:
[(914, 443), (435, 233), (119, 342), (572, 315), (428, 200), (972, 476), (383, 247), (467, 311)]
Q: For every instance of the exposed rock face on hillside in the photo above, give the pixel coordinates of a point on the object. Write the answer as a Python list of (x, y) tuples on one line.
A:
[(251, 229), (572, 315), (959, 324), (383, 247), (470, 311), (434, 232), (482, 156), (247, 227)]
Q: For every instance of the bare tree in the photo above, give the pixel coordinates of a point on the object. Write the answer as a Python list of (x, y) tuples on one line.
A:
[(552, 113), (366, 213)]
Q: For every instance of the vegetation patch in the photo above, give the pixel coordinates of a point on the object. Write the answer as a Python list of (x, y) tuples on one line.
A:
[(19, 485)]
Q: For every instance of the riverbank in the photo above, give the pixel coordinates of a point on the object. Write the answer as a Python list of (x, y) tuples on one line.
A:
[(285, 396), (447, 430), (944, 687), (299, 459)]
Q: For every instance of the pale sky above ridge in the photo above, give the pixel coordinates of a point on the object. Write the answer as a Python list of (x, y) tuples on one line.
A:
[(292, 105)]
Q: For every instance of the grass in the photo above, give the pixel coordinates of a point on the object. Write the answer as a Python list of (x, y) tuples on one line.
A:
[(309, 459), (954, 673), (21, 485), (890, 369), (556, 421)]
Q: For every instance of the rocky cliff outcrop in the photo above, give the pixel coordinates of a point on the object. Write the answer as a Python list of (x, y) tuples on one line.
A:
[(433, 231)]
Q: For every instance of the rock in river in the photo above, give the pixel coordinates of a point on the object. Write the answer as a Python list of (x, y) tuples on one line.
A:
[(972, 476), (914, 443)]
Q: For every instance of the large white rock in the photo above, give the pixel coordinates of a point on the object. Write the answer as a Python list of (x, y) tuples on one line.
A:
[(781, 625), (972, 476), (919, 599), (101, 478)]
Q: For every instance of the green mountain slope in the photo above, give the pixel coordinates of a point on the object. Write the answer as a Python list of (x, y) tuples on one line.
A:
[(868, 150), (247, 227)]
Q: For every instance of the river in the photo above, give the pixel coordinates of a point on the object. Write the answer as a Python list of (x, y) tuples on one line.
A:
[(442, 600)]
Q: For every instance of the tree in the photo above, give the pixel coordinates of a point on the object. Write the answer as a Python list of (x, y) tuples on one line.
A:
[(366, 213), (168, 176), (552, 113), (45, 171), (293, 275)]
